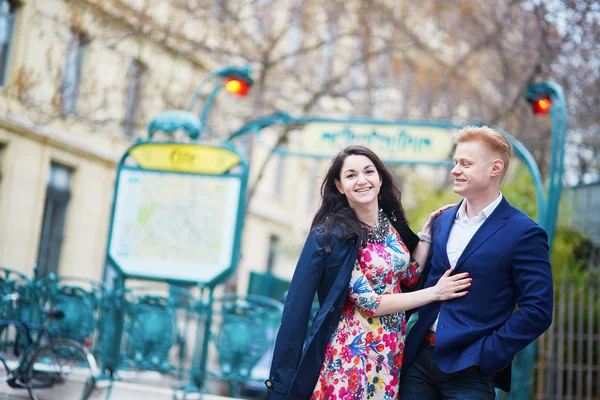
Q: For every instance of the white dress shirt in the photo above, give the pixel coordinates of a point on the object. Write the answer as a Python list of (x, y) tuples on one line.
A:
[(462, 231)]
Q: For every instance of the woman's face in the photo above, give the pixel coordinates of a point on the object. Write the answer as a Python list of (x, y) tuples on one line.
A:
[(359, 181)]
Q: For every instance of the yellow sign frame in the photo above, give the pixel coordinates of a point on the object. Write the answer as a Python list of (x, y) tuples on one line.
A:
[(184, 157)]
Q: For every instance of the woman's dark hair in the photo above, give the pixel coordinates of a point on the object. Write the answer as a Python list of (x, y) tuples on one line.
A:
[(335, 210)]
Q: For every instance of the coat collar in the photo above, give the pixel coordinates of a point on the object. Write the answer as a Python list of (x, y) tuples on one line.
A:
[(491, 225)]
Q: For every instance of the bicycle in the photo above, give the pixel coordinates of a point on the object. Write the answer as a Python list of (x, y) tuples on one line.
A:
[(50, 368)]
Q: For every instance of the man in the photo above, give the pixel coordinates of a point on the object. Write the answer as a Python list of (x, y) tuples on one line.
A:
[(461, 349)]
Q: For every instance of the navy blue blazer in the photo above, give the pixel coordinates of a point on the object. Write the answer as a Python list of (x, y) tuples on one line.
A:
[(508, 261), (296, 365)]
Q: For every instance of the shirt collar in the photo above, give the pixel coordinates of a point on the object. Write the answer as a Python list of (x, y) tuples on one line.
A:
[(483, 214)]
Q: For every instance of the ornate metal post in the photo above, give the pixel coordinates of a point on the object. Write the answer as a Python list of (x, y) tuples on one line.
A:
[(236, 80), (549, 97), (545, 97)]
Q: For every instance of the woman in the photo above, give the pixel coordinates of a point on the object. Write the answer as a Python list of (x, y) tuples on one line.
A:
[(357, 259)]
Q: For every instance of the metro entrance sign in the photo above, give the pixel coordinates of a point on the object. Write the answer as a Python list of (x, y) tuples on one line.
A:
[(409, 143), (396, 142), (177, 213), (401, 142), (177, 217)]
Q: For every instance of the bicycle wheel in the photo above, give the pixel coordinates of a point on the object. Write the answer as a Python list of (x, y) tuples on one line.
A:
[(62, 370)]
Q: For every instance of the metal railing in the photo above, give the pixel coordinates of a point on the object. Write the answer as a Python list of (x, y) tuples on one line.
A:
[(183, 334), (568, 363)]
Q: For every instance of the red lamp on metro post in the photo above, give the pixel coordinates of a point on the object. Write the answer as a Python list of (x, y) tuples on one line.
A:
[(236, 80), (237, 86), (539, 98), (541, 106)]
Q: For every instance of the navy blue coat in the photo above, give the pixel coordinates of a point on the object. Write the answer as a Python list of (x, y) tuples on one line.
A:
[(295, 367), (508, 261)]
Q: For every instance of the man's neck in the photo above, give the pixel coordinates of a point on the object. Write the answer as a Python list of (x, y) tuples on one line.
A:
[(474, 205)]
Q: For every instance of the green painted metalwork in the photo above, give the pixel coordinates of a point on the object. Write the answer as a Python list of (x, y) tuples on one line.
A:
[(81, 300), (151, 329), (227, 71), (558, 112), (204, 308), (268, 285), (238, 172), (243, 331), (13, 282), (172, 120), (169, 122), (112, 327), (254, 127), (147, 327), (547, 216)]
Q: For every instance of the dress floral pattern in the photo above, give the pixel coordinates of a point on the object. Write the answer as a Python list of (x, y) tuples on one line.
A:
[(364, 355)]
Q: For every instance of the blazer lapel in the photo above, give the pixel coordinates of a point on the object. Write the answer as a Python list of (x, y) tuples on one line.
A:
[(490, 226), (446, 222)]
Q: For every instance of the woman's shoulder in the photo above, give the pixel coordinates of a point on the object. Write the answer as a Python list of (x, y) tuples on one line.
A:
[(333, 239), (336, 232)]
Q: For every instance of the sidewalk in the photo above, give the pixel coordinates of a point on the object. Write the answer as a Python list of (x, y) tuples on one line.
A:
[(120, 391), (140, 385)]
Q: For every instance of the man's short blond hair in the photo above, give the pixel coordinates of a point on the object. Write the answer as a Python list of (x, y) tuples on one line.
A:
[(494, 141)]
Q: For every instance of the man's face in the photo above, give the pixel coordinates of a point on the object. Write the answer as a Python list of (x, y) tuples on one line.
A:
[(472, 169)]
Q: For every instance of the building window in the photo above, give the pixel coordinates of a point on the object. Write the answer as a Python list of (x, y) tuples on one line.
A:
[(71, 78), (55, 213), (273, 248), (8, 14), (135, 77)]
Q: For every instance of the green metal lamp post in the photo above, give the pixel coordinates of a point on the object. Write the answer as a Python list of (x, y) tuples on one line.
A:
[(545, 97), (236, 80), (225, 75), (549, 97)]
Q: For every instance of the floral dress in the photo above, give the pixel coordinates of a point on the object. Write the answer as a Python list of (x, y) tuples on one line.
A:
[(364, 355)]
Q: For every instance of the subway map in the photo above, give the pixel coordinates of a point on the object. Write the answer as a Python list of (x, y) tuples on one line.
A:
[(177, 226)]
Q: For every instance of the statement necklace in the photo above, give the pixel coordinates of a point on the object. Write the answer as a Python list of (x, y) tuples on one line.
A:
[(378, 233)]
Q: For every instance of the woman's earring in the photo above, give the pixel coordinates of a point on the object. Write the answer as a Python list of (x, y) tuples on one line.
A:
[(394, 216)]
